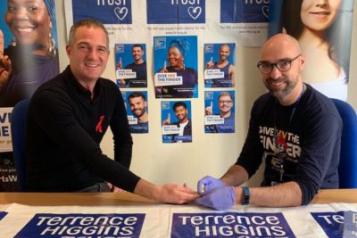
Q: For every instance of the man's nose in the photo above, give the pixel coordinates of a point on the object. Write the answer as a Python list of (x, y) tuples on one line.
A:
[(275, 73), (92, 53)]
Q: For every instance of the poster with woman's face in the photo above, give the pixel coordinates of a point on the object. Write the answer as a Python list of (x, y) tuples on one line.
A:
[(219, 112), (324, 32), (219, 65), (130, 65), (28, 51), (176, 122), (175, 66), (29, 57)]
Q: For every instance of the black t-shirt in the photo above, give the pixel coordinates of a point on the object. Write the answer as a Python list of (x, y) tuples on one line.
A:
[(64, 130), (141, 76), (298, 143)]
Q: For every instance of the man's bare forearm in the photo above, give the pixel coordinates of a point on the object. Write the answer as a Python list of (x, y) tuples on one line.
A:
[(236, 175)]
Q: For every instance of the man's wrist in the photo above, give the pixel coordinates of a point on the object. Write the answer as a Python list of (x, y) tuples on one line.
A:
[(245, 197)]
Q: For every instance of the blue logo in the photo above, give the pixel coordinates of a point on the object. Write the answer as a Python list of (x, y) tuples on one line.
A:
[(175, 11), (337, 224), (244, 11), (83, 225), (105, 11), (2, 215), (230, 224)]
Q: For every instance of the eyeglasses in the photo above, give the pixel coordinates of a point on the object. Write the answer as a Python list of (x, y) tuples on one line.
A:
[(282, 65), (225, 101)]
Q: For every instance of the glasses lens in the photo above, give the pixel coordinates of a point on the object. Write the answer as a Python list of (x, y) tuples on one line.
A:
[(284, 65), (265, 67)]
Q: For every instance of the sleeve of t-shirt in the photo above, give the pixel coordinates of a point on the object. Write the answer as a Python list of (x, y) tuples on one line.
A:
[(53, 113), (322, 132), (250, 157), (121, 133)]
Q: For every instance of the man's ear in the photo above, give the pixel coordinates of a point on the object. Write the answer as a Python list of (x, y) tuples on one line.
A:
[(302, 62), (68, 50)]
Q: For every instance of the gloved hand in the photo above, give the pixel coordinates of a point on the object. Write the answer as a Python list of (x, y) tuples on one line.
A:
[(220, 198), (208, 183)]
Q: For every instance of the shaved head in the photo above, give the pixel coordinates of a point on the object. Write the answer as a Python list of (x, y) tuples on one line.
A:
[(280, 46)]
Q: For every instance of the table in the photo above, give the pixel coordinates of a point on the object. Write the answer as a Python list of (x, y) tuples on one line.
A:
[(99, 199), (30, 214)]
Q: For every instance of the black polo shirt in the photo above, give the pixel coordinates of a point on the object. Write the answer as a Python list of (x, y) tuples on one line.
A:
[(64, 130)]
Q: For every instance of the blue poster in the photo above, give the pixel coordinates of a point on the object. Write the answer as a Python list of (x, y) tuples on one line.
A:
[(176, 121), (83, 225), (244, 11), (219, 65), (2, 215), (175, 66), (107, 12), (219, 112), (137, 110), (130, 65), (176, 11), (337, 224), (230, 224)]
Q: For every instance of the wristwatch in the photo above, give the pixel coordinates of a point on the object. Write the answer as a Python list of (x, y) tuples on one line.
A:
[(245, 195)]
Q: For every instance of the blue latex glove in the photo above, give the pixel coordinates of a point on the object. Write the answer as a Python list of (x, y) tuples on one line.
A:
[(220, 199), (208, 184)]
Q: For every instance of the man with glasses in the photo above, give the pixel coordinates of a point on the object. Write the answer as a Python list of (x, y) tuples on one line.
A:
[(293, 128), (225, 105)]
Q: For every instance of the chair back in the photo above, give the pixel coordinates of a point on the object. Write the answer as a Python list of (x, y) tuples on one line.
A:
[(348, 157), (18, 127)]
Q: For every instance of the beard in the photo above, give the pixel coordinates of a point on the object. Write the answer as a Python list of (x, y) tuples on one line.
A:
[(139, 112), (289, 85)]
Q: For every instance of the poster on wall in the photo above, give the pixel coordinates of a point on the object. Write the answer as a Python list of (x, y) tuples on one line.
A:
[(176, 121), (130, 65), (324, 32), (219, 63), (28, 51), (136, 105), (107, 12), (219, 112), (244, 21), (29, 57), (175, 67), (176, 12), (248, 19)]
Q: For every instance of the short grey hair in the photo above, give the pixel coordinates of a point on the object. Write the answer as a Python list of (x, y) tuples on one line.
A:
[(88, 23)]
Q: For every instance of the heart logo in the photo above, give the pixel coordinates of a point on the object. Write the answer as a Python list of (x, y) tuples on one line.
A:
[(265, 11), (121, 12), (194, 12)]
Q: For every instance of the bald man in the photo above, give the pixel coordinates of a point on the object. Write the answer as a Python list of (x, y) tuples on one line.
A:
[(293, 128)]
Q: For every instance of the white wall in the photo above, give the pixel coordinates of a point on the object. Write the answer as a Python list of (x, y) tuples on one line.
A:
[(208, 154)]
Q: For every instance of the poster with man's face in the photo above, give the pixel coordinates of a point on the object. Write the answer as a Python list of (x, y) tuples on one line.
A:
[(219, 112), (130, 65), (219, 63), (136, 105), (176, 121)]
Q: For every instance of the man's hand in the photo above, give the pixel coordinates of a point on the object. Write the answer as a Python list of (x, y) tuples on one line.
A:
[(173, 193), (208, 111), (221, 198), (5, 63), (208, 184), (114, 189), (168, 193)]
